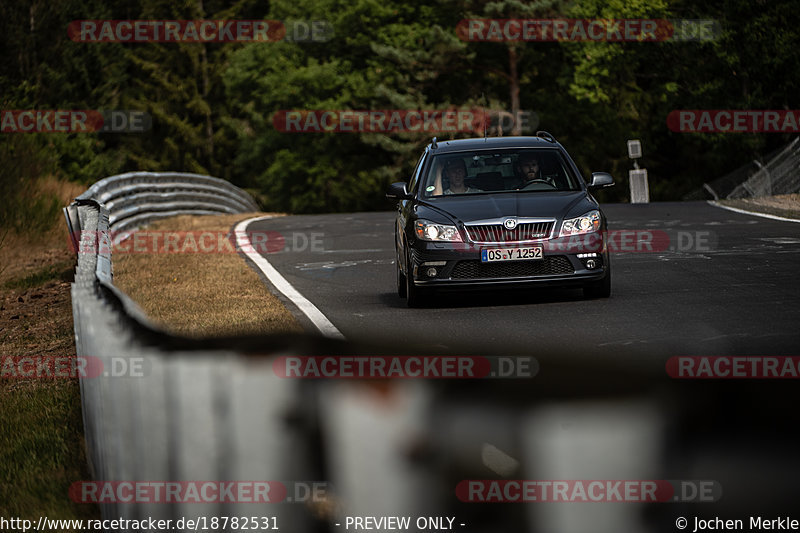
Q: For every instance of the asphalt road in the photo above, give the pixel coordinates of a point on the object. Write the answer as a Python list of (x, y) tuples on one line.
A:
[(726, 284)]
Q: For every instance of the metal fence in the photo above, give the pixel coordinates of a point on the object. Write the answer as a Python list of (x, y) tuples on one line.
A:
[(776, 173), (215, 410), (779, 175)]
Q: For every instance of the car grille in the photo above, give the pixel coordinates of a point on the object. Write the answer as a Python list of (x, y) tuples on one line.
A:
[(550, 265), (525, 231)]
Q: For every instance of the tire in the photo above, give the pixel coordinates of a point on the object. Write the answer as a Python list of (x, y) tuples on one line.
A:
[(402, 290), (600, 288)]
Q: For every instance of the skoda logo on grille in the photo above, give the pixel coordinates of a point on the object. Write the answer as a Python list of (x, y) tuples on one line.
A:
[(509, 223)]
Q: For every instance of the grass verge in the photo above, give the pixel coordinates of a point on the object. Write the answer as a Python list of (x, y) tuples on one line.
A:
[(201, 294), (41, 440)]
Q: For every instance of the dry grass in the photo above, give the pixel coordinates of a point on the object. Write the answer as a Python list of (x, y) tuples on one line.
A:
[(65, 191), (201, 294), (41, 441), (21, 254)]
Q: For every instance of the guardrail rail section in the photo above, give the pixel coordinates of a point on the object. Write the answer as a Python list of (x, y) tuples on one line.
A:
[(194, 410)]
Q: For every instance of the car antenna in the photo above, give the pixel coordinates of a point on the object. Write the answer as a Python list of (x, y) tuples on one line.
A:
[(433, 144), (483, 96)]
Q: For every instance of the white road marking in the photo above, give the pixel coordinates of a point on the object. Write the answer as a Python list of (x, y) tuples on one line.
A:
[(763, 215), (365, 250), (319, 320), (780, 240), (330, 265)]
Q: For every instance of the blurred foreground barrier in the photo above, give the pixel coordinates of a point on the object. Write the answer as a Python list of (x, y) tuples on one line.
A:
[(180, 428)]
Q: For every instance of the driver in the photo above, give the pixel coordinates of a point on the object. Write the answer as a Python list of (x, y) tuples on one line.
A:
[(529, 169)]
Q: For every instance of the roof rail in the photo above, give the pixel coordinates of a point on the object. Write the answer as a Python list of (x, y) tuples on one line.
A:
[(546, 136)]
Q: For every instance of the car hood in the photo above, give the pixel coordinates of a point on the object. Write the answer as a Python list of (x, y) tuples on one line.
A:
[(471, 208)]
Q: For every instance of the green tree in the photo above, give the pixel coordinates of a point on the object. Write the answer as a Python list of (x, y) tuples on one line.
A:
[(384, 56)]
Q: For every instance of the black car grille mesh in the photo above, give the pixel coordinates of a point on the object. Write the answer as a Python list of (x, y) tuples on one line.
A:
[(525, 231), (550, 265)]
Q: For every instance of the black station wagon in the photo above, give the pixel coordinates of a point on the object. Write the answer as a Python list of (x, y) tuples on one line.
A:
[(499, 211)]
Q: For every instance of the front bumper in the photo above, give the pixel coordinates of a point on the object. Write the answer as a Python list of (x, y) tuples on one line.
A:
[(566, 261)]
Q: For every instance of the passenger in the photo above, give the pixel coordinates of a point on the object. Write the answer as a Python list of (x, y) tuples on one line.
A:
[(456, 171)]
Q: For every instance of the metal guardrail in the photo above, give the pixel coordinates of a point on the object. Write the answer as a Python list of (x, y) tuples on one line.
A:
[(215, 410), (172, 419), (137, 198), (776, 173), (780, 175)]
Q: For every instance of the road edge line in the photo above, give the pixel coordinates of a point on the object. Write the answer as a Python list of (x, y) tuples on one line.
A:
[(311, 311), (754, 213)]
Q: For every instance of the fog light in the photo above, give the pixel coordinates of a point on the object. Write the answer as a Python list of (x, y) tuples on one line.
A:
[(431, 272), (591, 263)]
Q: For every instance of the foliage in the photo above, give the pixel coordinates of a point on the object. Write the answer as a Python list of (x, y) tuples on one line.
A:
[(213, 104)]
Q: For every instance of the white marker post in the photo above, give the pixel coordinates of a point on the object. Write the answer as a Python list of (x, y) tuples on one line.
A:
[(640, 192)]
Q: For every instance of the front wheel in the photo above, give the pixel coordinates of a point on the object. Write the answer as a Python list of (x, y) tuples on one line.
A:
[(401, 280)]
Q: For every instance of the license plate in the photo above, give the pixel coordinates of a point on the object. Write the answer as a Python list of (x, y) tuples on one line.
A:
[(490, 255)]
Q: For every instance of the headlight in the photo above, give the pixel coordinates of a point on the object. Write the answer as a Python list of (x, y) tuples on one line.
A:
[(428, 231), (577, 226)]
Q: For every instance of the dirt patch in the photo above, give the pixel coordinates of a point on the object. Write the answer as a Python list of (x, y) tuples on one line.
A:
[(38, 320)]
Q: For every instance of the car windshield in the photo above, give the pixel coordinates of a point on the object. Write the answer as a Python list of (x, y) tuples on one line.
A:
[(489, 171)]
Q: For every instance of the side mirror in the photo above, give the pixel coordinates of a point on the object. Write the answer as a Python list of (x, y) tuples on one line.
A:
[(601, 180), (397, 191)]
